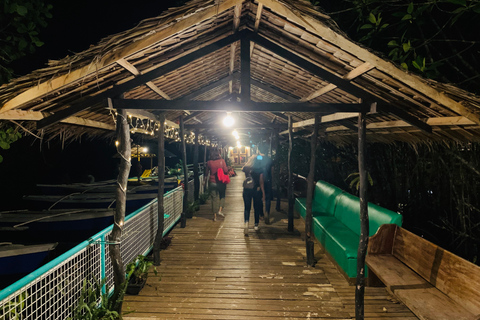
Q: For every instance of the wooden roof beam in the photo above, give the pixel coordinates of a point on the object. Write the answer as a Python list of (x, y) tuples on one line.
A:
[(441, 121), (133, 70), (22, 115), (339, 116), (210, 86), (237, 13), (118, 89), (109, 58), (232, 106), (258, 17), (365, 67), (337, 81), (237, 126), (328, 35), (245, 77)]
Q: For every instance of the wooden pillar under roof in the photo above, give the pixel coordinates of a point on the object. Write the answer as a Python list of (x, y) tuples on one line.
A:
[(196, 177), (290, 175), (364, 223), (276, 164), (124, 149), (310, 186), (204, 161), (161, 189), (183, 219), (245, 70)]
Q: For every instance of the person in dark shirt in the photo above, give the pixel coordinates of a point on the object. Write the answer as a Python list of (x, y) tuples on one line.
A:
[(266, 164), (254, 191)]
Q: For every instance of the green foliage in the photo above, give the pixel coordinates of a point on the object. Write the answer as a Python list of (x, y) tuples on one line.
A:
[(435, 39), (177, 170), (7, 137), (355, 180), (203, 197), (20, 24), (93, 304), (139, 268), (12, 310)]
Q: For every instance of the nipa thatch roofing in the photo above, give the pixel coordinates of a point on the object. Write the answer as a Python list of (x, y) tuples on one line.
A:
[(404, 101)]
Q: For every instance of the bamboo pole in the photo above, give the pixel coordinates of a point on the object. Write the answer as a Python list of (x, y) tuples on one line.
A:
[(161, 189), (125, 151), (183, 222), (311, 186), (196, 177), (290, 175), (364, 223)]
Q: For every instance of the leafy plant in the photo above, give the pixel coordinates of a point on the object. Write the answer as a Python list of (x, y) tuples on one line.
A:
[(356, 180), (93, 304), (21, 21), (203, 197), (137, 270), (7, 137), (12, 310)]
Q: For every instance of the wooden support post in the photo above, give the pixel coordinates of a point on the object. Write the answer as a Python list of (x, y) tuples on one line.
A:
[(161, 190), (276, 164), (245, 69), (364, 224), (204, 163), (290, 175), (125, 151), (183, 222), (310, 187), (196, 177)]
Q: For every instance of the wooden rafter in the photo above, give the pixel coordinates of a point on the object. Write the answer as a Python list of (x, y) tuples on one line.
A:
[(333, 38), (23, 115), (237, 13), (139, 80), (128, 66), (245, 70), (442, 121), (365, 67), (338, 81), (112, 57)]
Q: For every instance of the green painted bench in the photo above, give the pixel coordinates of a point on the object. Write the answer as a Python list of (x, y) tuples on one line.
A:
[(336, 223)]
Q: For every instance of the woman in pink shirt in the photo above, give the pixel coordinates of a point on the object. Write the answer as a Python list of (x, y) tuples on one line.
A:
[(216, 188)]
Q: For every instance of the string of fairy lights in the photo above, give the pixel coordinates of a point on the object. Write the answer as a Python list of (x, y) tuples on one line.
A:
[(150, 127)]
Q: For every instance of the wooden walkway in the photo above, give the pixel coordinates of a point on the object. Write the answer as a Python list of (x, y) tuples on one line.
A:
[(212, 271)]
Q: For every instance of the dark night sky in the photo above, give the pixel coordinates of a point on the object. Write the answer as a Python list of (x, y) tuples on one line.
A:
[(76, 25)]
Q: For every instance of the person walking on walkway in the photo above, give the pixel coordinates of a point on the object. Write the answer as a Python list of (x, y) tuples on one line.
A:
[(267, 166), (215, 187), (253, 189)]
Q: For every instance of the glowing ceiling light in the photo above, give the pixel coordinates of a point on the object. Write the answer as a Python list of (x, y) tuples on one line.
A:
[(145, 150), (239, 144), (228, 121)]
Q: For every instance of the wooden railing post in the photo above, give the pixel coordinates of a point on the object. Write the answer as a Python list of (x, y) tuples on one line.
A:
[(364, 225), (311, 186), (290, 176), (196, 181), (124, 149), (183, 222), (161, 190)]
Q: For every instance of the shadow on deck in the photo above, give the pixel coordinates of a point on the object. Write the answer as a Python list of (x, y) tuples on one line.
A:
[(212, 271)]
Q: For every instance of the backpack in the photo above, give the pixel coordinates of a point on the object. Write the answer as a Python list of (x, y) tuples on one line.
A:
[(248, 183)]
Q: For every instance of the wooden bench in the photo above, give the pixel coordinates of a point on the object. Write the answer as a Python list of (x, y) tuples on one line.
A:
[(433, 283)]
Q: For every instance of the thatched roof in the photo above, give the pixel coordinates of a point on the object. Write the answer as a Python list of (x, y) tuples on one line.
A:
[(193, 53)]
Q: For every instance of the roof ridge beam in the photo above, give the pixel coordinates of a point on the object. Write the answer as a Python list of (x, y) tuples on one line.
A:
[(251, 106)]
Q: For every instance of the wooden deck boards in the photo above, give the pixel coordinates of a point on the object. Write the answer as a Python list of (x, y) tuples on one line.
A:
[(212, 271)]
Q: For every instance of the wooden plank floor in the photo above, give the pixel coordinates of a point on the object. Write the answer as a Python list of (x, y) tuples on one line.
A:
[(212, 271)]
